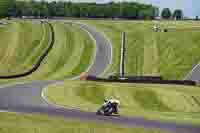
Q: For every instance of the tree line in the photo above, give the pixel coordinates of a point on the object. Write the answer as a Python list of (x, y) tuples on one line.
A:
[(131, 10), (167, 14)]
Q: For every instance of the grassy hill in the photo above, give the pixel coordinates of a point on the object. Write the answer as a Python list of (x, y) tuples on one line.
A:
[(172, 54), (160, 102), (22, 43), (71, 54)]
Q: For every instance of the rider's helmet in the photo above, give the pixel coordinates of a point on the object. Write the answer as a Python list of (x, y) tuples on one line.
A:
[(117, 102), (114, 101)]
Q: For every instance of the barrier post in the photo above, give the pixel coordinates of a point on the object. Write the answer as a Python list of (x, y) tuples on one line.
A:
[(122, 61)]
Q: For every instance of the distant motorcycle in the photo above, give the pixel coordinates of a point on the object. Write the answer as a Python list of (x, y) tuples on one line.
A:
[(108, 109)]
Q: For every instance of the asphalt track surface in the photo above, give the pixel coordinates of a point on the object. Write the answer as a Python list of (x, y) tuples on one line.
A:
[(194, 75), (26, 98), (103, 51)]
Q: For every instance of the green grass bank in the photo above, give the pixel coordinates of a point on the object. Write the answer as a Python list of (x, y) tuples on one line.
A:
[(20, 123), (171, 54), (22, 43), (71, 55), (159, 102)]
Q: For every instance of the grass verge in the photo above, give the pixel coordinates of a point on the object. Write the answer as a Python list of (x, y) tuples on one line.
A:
[(71, 55), (158, 102), (19, 123), (22, 44)]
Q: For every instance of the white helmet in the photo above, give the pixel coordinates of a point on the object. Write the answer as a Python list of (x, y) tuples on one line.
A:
[(117, 101)]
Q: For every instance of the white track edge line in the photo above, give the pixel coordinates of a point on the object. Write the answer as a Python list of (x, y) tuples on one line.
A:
[(43, 95), (44, 90), (190, 73), (94, 53)]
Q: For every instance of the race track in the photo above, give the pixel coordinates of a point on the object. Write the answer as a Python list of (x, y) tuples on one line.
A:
[(194, 75), (103, 51), (26, 98)]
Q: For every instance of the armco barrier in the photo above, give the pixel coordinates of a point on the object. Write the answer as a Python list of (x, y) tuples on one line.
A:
[(137, 77), (38, 63), (147, 81)]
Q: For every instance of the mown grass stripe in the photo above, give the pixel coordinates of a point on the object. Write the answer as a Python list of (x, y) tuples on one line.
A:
[(6, 33), (26, 35), (177, 52), (40, 47), (36, 66), (149, 100), (161, 102)]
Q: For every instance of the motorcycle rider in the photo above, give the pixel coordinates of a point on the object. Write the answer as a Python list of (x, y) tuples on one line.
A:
[(114, 103)]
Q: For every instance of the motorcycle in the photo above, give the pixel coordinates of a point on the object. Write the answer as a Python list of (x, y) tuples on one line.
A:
[(108, 110)]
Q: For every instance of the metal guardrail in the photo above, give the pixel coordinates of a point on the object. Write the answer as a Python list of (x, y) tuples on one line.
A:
[(144, 80)]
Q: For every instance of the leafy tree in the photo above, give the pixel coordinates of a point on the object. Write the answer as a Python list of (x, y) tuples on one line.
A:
[(60, 9), (11, 11), (197, 18), (52, 8), (130, 10), (27, 9), (5, 7), (156, 11), (166, 13), (178, 14), (18, 9)]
